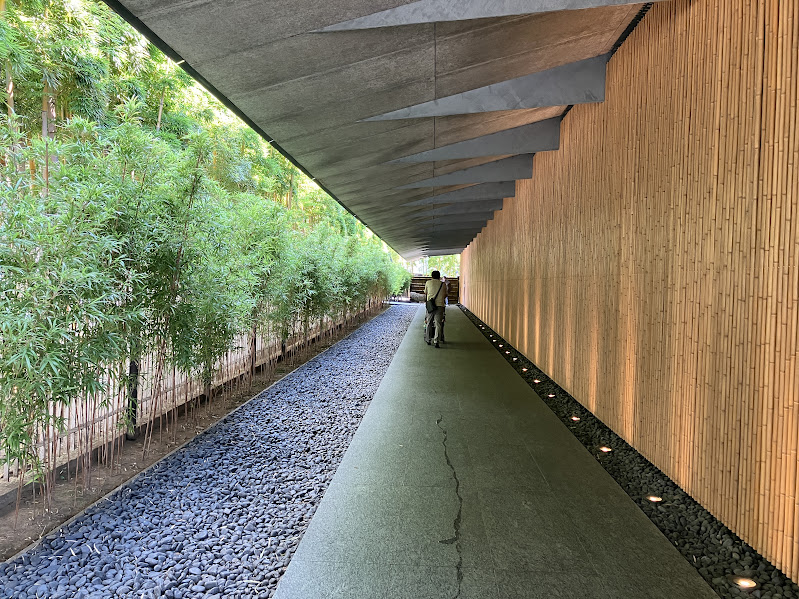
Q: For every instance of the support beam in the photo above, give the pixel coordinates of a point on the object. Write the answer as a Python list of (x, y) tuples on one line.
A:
[(453, 244), (488, 206), (437, 11), (447, 243), (439, 220), (473, 193), (417, 228), (444, 240), (446, 237), (466, 225), (446, 251), (473, 230), (507, 169), (463, 218), (527, 139), (578, 82)]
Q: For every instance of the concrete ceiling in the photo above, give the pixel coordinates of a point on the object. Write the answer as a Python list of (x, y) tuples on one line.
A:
[(361, 106)]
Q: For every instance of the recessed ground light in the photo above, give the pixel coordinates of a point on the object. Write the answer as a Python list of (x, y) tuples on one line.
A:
[(514, 359), (495, 340), (605, 449), (654, 498), (524, 370), (551, 395), (506, 351), (576, 418), (501, 345), (742, 582), (536, 381)]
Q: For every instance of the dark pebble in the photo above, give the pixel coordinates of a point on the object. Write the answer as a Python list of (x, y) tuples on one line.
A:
[(257, 474)]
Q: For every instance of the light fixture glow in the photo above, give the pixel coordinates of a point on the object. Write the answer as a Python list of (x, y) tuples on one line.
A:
[(506, 351), (605, 449), (551, 395), (514, 359), (536, 381), (500, 345), (742, 582), (576, 418), (654, 498), (495, 340), (524, 370)]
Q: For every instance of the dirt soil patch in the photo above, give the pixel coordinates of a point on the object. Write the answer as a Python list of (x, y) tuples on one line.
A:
[(23, 527)]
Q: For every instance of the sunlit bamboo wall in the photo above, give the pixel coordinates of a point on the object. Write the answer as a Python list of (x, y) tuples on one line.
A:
[(650, 265)]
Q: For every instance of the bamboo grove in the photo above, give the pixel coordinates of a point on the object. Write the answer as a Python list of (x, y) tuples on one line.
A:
[(137, 217)]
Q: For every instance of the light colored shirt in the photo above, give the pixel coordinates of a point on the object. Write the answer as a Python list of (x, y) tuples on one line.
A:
[(430, 289)]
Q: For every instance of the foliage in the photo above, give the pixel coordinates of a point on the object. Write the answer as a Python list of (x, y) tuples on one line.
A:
[(62, 305), (449, 266), (150, 221)]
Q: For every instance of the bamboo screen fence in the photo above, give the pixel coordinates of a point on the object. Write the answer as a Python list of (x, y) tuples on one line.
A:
[(651, 265), (99, 422)]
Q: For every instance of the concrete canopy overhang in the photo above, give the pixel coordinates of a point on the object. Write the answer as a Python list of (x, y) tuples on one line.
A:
[(352, 107)]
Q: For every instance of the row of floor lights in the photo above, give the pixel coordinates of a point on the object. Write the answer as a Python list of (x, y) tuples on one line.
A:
[(604, 448), (741, 582)]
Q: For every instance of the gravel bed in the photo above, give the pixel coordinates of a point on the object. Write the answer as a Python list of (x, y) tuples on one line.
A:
[(714, 550), (222, 516)]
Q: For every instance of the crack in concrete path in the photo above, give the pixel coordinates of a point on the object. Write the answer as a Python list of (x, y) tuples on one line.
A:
[(456, 525)]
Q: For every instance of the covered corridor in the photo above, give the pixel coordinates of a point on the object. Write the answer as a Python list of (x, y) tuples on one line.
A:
[(460, 482)]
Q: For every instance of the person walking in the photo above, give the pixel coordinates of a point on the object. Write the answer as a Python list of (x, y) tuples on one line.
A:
[(435, 291)]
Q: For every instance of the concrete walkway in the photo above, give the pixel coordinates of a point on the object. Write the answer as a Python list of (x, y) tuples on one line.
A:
[(460, 483)]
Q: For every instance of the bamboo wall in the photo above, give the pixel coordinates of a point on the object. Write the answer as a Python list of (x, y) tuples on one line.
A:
[(650, 265)]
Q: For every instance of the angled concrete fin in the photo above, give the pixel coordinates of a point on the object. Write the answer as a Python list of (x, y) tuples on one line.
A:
[(481, 191), (457, 227), (464, 221), (527, 139), (471, 208), (450, 239), (507, 169), (439, 241), (444, 241), (445, 251), (578, 82), (464, 225), (436, 240), (433, 11), (463, 218)]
